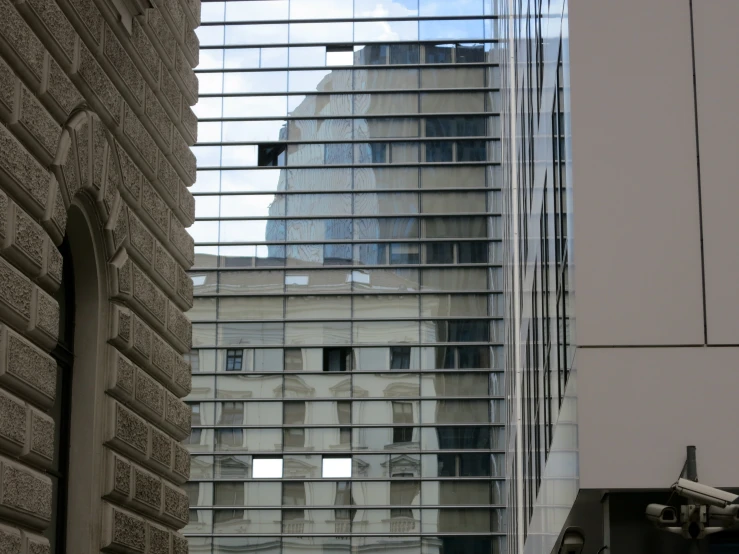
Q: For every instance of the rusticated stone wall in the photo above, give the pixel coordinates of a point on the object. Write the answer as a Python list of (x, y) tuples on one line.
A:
[(95, 112)]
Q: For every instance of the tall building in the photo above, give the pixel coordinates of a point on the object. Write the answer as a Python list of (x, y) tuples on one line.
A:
[(620, 138), (348, 336), (95, 128)]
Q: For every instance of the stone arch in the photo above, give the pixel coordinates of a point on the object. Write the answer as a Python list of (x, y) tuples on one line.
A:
[(126, 417)]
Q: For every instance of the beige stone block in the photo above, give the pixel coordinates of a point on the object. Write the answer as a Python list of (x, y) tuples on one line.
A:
[(123, 532), (57, 91), (127, 431), (35, 544), (171, 91), (144, 48), (159, 539), (100, 89), (181, 462), (15, 296), (140, 139), (90, 16), (26, 369), (39, 448), (10, 539), (147, 491), (20, 172), (22, 46), (13, 423), (51, 25), (25, 495), (122, 64), (161, 35), (158, 117), (149, 394)]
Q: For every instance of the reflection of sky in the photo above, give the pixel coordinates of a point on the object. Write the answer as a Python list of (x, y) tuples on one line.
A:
[(265, 10)]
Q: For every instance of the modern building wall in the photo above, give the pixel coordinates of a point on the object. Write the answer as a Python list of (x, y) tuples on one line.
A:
[(347, 279), (95, 131), (652, 178)]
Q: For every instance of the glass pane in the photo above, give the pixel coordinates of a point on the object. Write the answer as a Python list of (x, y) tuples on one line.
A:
[(385, 306), (244, 387), (432, 102), (255, 34), (454, 305), (255, 230), (241, 58), (386, 178), (327, 332), (451, 29), (251, 10), (319, 179), (320, 204), (322, 129), (454, 384), (319, 32), (246, 522), (255, 106), (385, 332), (385, 31), (385, 280), (458, 77), (385, 104), (458, 177), (454, 279), (318, 307), (386, 204), (318, 281)]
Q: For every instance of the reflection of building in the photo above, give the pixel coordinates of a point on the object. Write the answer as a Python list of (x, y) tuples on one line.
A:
[(94, 203), (349, 288), (630, 236)]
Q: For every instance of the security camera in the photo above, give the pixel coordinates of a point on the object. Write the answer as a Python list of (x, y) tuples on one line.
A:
[(573, 541), (662, 515), (704, 494), (724, 517)]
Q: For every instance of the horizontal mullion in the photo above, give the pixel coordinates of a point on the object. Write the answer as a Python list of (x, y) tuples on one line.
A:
[(347, 293), (354, 43), (348, 267), (347, 425), (346, 453), (419, 240), (354, 141), (415, 115), (353, 319), (359, 20), (347, 536), (484, 479), (348, 216), (344, 92), (349, 166), (422, 372), (349, 506), (355, 166), (344, 345), (348, 191), (349, 67)]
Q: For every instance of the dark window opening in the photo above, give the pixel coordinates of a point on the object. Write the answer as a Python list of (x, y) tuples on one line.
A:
[(402, 414), (271, 155), (234, 359), (61, 412), (337, 359), (400, 357)]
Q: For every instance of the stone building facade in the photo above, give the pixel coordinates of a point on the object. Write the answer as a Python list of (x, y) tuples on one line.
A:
[(95, 129)]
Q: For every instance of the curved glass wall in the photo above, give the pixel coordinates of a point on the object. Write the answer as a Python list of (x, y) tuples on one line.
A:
[(348, 391)]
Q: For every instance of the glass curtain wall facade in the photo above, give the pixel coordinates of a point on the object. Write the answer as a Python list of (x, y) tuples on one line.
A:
[(348, 391), (542, 463)]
